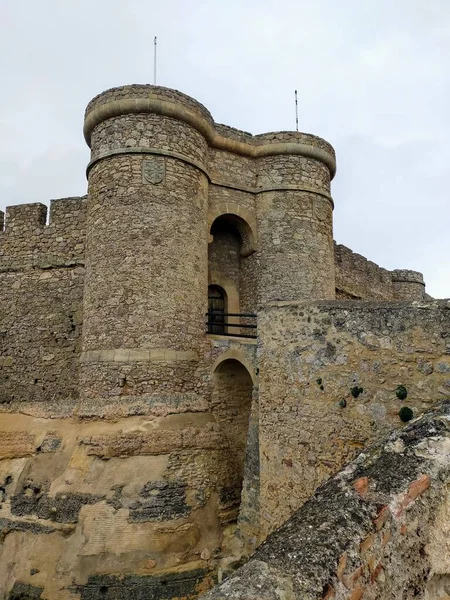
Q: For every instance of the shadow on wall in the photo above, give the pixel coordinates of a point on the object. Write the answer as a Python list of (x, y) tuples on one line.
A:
[(231, 403)]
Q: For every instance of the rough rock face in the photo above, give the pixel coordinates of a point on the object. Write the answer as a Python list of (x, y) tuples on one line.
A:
[(374, 531)]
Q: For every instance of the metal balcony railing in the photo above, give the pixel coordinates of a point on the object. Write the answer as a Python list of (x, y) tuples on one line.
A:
[(231, 324)]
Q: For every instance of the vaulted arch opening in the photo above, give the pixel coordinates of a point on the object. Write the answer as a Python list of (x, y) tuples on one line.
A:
[(231, 404), (232, 266)]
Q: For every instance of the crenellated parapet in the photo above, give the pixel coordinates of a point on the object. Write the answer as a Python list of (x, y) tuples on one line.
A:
[(28, 241), (358, 278)]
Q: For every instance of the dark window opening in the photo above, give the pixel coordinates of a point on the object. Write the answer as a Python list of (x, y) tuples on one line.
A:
[(216, 310)]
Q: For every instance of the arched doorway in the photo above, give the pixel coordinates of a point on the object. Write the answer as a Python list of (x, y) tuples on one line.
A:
[(231, 404), (232, 265)]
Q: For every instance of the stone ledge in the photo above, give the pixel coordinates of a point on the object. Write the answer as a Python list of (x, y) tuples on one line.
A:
[(138, 355)]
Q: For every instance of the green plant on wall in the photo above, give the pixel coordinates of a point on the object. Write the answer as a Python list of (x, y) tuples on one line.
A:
[(405, 414), (356, 391), (401, 392)]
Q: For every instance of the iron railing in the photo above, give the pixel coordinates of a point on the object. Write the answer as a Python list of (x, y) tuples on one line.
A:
[(231, 324)]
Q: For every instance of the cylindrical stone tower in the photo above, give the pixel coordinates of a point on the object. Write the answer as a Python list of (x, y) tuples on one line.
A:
[(146, 270), (294, 210), (408, 285)]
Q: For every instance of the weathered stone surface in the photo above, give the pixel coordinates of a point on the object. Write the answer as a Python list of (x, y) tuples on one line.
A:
[(9, 525), (311, 357), (62, 508), (187, 584), (160, 501), (360, 279), (25, 591), (15, 444)]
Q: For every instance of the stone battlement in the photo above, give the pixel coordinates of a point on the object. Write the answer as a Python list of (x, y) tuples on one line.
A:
[(358, 278), (408, 276), (26, 240)]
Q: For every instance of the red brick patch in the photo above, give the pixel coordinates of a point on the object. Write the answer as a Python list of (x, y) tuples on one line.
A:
[(418, 487), (328, 592), (385, 538), (350, 580), (376, 572), (341, 566), (361, 485), (381, 518)]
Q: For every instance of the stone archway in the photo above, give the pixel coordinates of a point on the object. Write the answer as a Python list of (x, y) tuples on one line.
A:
[(241, 220), (232, 260), (231, 404)]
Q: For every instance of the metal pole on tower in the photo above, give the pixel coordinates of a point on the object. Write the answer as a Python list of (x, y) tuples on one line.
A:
[(296, 111), (154, 60)]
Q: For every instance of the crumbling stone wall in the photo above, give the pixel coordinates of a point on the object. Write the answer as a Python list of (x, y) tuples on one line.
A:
[(329, 385), (373, 531), (358, 278)]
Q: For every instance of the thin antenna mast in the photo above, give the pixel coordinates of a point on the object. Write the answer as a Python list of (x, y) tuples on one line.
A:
[(296, 111), (154, 60)]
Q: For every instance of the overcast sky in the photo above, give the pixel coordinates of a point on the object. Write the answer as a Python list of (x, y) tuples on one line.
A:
[(373, 79)]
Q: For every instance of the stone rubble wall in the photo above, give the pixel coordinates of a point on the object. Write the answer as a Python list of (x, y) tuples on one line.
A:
[(360, 279), (27, 242), (40, 335), (329, 383), (41, 294), (377, 530)]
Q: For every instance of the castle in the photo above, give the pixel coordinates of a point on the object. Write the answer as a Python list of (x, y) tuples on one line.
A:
[(186, 356)]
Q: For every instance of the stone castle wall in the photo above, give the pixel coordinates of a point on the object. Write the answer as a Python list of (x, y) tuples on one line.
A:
[(123, 424), (41, 292), (360, 279), (103, 496), (329, 384)]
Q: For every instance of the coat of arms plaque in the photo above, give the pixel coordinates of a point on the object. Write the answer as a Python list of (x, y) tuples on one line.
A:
[(153, 170)]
